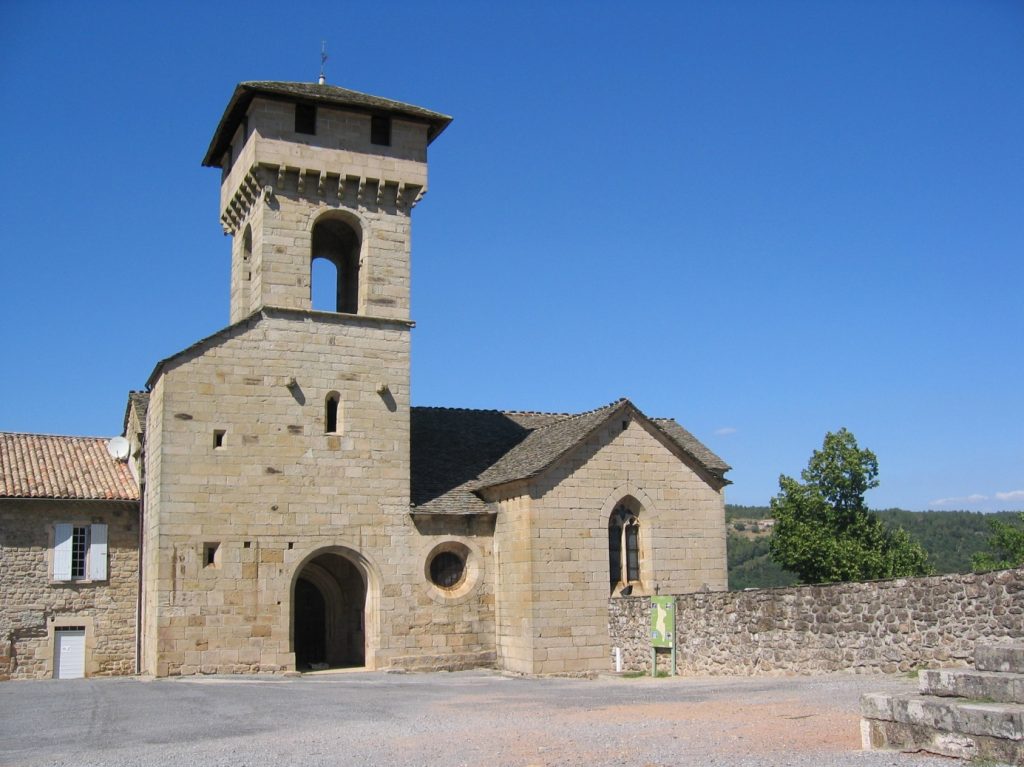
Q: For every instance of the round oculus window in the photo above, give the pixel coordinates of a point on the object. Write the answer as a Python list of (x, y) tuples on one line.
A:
[(447, 570)]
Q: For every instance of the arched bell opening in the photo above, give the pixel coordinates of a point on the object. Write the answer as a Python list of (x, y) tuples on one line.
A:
[(334, 266)]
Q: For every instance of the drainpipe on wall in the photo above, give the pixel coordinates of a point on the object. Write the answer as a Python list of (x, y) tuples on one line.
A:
[(138, 599)]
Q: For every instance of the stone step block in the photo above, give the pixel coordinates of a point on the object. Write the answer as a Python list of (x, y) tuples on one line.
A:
[(975, 685), (995, 720), (877, 734), (1004, 656)]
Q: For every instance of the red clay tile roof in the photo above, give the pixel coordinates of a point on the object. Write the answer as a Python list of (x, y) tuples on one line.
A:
[(49, 466)]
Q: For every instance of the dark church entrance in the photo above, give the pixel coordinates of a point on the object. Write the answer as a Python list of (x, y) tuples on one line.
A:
[(329, 603)]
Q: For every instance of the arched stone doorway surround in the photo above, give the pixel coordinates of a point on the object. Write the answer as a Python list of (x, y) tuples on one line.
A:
[(348, 583)]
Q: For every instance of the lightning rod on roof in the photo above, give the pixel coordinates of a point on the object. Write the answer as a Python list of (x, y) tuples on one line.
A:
[(323, 60)]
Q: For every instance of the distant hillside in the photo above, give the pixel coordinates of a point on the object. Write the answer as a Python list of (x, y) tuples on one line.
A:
[(951, 538)]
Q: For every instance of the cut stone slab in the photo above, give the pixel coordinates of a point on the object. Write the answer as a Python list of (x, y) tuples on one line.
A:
[(996, 720), (878, 734), (1004, 657), (975, 685)]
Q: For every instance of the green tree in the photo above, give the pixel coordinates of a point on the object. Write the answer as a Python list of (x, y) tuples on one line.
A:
[(824, 532), (1006, 544)]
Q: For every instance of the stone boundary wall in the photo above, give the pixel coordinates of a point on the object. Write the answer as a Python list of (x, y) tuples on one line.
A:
[(878, 626)]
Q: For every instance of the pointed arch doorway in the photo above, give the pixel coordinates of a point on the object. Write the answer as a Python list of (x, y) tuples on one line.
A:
[(328, 609)]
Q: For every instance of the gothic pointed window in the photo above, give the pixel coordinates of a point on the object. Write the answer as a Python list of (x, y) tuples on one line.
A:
[(623, 548)]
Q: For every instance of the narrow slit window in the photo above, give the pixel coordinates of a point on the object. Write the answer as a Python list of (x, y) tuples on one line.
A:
[(331, 413), (614, 553), (247, 253), (218, 438), (632, 552)]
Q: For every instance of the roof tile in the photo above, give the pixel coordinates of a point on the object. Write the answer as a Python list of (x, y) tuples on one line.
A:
[(50, 466)]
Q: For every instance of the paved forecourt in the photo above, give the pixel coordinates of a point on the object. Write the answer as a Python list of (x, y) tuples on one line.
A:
[(465, 718)]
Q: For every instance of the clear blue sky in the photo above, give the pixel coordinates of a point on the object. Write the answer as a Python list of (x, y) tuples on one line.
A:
[(765, 219)]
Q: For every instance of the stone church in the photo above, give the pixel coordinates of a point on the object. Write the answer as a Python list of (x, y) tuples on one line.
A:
[(276, 504)]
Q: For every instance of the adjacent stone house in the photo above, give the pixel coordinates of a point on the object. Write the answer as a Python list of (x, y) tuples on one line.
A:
[(69, 573), (298, 513)]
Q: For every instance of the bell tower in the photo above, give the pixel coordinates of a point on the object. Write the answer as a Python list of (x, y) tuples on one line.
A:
[(278, 448), (315, 172)]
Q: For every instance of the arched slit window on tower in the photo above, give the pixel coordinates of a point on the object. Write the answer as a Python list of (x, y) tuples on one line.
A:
[(331, 409), (334, 283), (623, 548), (247, 253)]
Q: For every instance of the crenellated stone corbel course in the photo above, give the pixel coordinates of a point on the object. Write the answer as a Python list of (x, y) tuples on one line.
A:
[(266, 179)]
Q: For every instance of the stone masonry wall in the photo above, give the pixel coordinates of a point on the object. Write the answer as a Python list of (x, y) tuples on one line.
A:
[(33, 604), (884, 626), (279, 491)]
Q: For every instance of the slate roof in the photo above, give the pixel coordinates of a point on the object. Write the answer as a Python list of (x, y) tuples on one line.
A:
[(692, 445), (138, 401), (72, 468), (456, 453), (544, 445), (319, 94), (451, 447)]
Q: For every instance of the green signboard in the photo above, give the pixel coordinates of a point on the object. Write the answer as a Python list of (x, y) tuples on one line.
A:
[(663, 621)]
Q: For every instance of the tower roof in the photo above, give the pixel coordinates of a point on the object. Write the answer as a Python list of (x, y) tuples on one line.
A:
[(330, 95)]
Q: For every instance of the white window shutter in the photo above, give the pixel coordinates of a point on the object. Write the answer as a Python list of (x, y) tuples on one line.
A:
[(62, 552), (98, 553)]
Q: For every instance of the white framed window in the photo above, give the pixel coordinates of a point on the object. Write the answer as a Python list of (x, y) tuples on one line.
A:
[(80, 552)]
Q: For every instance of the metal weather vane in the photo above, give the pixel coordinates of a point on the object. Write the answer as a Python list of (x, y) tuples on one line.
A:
[(323, 60)]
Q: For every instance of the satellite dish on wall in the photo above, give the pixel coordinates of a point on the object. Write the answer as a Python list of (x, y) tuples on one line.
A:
[(118, 448)]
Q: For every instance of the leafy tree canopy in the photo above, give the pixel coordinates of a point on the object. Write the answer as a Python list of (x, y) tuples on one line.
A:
[(1006, 544), (824, 532)]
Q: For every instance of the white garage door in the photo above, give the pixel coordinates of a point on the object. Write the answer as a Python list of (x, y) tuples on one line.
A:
[(69, 662)]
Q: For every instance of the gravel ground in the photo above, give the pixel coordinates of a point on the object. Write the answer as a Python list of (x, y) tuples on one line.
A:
[(466, 718)]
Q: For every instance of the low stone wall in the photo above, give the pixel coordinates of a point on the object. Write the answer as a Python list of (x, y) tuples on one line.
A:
[(883, 626)]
